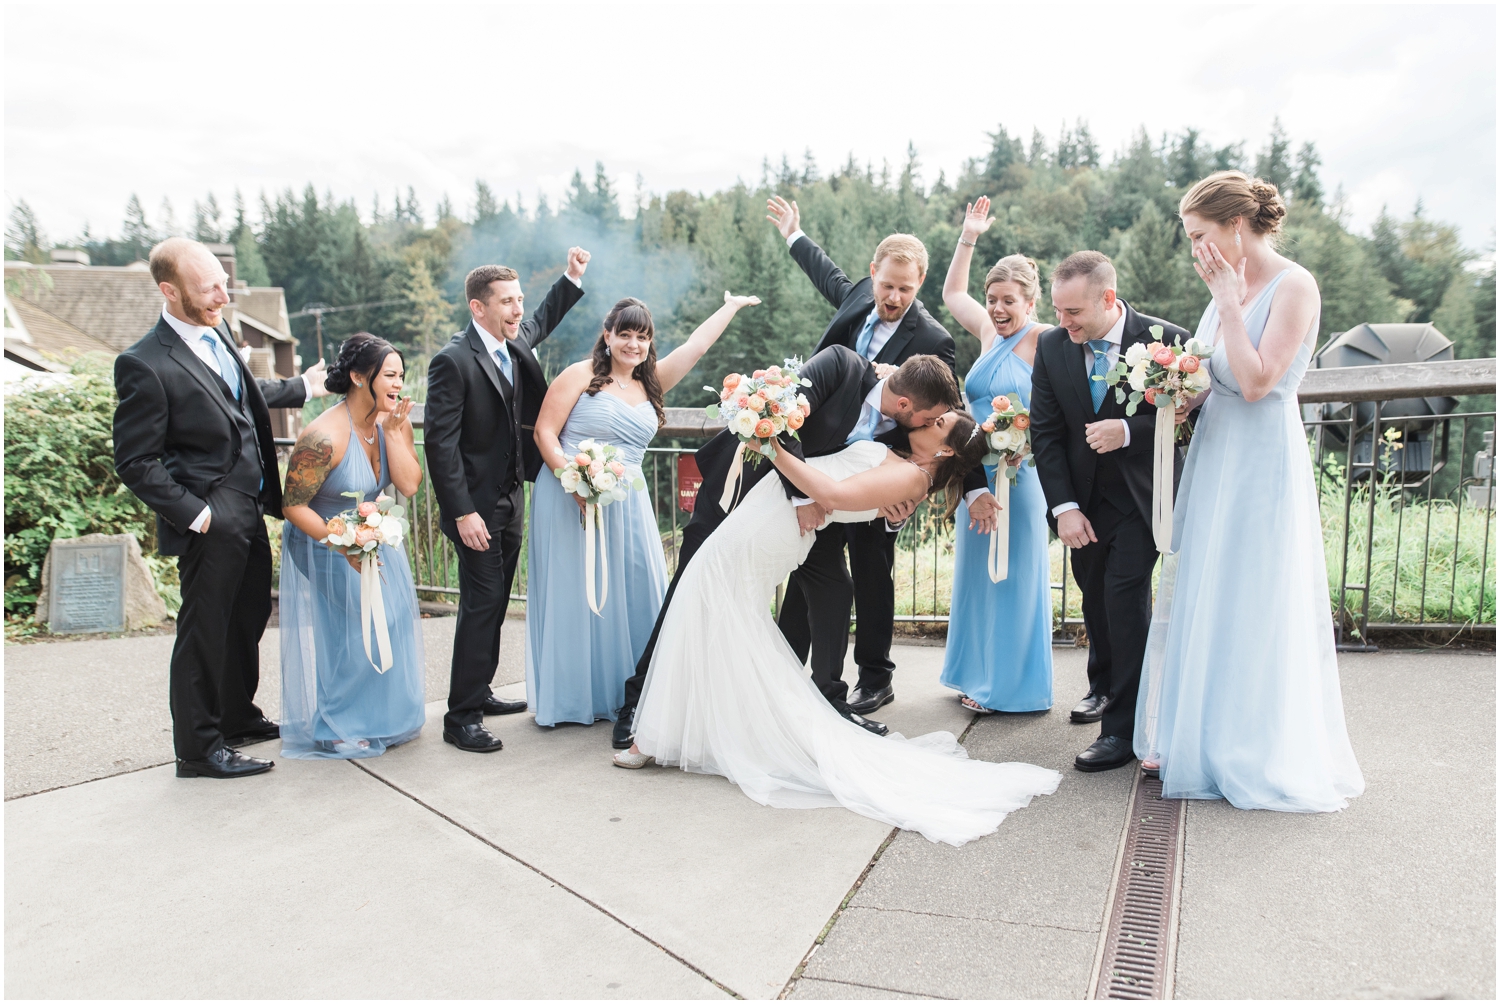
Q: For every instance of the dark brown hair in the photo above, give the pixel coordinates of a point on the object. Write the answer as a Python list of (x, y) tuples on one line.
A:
[(477, 282), (928, 381), (1223, 195), (969, 448), (361, 354), (629, 314)]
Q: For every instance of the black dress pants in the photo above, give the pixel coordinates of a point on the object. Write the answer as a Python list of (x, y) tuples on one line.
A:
[(1114, 576), (226, 602), (484, 584)]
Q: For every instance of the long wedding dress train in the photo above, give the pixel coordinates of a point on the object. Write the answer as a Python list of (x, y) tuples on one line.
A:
[(725, 694)]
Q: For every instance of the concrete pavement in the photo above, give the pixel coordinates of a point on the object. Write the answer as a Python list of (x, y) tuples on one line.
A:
[(543, 871)]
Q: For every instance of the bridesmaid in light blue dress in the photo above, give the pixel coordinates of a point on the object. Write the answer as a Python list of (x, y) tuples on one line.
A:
[(335, 704), (1240, 685), (577, 661), (999, 653)]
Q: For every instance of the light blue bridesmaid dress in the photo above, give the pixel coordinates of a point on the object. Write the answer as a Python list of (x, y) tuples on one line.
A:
[(1240, 685), (334, 704), (1000, 633), (577, 661)]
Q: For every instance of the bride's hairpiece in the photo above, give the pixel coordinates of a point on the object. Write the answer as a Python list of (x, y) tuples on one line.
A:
[(973, 432)]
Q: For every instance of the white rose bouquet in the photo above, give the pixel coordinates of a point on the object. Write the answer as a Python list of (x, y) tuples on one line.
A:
[(357, 534), (763, 405), (1008, 433), (596, 475), (1165, 377)]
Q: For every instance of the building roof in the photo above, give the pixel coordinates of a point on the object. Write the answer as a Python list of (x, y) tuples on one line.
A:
[(114, 305), (51, 336)]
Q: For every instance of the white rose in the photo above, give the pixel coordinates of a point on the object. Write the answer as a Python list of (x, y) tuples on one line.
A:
[(604, 481), (1197, 348), (1138, 377), (391, 533), (374, 519), (347, 540), (997, 439), (1136, 354), (1199, 380), (744, 422), (569, 480)]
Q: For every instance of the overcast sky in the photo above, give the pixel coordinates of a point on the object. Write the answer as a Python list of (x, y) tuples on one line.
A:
[(161, 101)]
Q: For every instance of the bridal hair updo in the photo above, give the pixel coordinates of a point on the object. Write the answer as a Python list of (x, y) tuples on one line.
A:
[(1224, 195), (361, 355), (1019, 269), (629, 314)]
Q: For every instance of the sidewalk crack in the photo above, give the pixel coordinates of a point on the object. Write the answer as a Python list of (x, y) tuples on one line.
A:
[(986, 920), (872, 986), (559, 883)]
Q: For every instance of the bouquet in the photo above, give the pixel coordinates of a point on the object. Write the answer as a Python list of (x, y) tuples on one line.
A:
[(1165, 377), (1008, 433), (358, 533), (758, 408), (595, 475)]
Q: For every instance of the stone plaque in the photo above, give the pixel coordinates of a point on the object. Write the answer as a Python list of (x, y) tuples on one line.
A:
[(87, 589)]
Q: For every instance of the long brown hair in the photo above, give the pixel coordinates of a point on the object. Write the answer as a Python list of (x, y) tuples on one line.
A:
[(629, 314)]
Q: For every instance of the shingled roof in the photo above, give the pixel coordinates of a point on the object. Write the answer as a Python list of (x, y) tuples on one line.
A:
[(114, 305)]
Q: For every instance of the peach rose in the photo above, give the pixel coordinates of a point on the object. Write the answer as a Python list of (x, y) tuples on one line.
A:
[(583, 460), (775, 408), (794, 421), (1188, 364), (596, 468), (616, 468), (755, 402), (1001, 403), (337, 527), (1151, 395), (758, 374), (1163, 356), (764, 429), (1020, 422), (732, 380), (987, 425), (363, 535), (742, 401), (365, 508)]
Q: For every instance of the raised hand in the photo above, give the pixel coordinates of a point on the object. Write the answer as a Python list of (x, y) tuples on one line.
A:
[(784, 214), (399, 420), (1225, 281), (977, 217), (315, 375), (730, 300), (578, 261)]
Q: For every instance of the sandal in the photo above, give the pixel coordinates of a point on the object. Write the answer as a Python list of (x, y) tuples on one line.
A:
[(1150, 769), (974, 706), (632, 761)]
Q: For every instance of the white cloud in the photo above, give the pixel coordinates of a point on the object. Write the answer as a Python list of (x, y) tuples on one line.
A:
[(177, 101)]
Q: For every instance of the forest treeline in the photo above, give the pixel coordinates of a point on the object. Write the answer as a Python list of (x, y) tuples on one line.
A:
[(680, 251)]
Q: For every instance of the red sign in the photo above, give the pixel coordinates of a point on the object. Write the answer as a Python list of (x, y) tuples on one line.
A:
[(688, 481)]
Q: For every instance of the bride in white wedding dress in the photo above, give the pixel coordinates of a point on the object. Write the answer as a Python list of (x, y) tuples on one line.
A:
[(725, 694)]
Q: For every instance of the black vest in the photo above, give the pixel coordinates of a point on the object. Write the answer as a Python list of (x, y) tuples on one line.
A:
[(246, 475)]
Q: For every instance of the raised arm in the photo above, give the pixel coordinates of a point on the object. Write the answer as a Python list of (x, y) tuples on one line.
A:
[(886, 485), (401, 449), (966, 310), (680, 360), (565, 292), (829, 279)]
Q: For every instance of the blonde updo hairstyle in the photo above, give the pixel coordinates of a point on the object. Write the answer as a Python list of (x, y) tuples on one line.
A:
[(1223, 195), (1022, 271)]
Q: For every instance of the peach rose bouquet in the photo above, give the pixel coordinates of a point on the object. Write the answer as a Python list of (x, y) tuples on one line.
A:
[(357, 534), (1008, 433), (758, 408)]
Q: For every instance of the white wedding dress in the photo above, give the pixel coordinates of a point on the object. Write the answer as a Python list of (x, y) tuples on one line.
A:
[(725, 694)]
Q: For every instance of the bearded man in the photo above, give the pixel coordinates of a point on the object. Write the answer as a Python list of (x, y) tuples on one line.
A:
[(192, 434)]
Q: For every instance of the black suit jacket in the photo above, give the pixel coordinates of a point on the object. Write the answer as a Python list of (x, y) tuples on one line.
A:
[(918, 334), (471, 427), (1061, 406), (175, 439)]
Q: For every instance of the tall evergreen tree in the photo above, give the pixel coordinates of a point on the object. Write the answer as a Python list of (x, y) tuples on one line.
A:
[(485, 208), (1274, 163), (1307, 188), (24, 240)]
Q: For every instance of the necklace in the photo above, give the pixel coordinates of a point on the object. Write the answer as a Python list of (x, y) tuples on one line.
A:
[(371, 440), (919, 467)]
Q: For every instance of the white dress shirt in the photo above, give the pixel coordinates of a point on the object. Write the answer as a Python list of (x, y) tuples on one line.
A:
[(192, 337), (1114, 336), (493, 344)]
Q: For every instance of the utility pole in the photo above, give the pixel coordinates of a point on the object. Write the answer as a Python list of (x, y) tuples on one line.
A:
[(317, 310)]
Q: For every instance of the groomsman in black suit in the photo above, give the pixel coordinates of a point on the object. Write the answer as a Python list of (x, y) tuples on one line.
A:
[(484, 390), (1095, 465), (848, 401), (192, 435), (881, 319)]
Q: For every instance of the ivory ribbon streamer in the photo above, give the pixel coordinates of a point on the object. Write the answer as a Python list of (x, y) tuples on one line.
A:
[(1000, 536), (372, 611), (1161, 480), (732, 483), (591, 514)]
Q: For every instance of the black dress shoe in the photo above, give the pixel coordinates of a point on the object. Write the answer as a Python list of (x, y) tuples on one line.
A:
[(623, 729), (494, 706), (255, 732), (473, 739), (865, 723), (1090, 709), (864, 702), (224, 762), (1107, 753)]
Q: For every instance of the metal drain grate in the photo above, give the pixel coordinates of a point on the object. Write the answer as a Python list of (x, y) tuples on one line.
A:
[(1139, 942)]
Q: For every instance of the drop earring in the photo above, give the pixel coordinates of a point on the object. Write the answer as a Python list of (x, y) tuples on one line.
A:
[(1236, 238), (606, 350)]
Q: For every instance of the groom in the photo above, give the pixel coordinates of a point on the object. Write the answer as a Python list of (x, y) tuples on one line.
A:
[(484, 390), (848, 402), (1094, 463)]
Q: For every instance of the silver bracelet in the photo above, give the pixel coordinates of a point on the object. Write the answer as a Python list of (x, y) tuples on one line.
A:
[(968, 244)]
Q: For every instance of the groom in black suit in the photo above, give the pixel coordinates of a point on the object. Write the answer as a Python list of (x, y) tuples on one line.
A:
[(880, 318), (484, 390), (842, 388), (192, 438), (1094, 463)]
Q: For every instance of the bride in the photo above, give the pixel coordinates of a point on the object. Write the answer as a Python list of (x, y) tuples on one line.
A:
[(725, 694)]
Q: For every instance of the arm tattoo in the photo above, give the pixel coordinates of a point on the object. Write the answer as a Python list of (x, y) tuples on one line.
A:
[(308, 468)]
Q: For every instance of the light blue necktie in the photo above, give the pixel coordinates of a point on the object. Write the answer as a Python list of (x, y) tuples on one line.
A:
[(862, 344), (865, 430), (227, 369), (502, 356), (1098, 388)]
